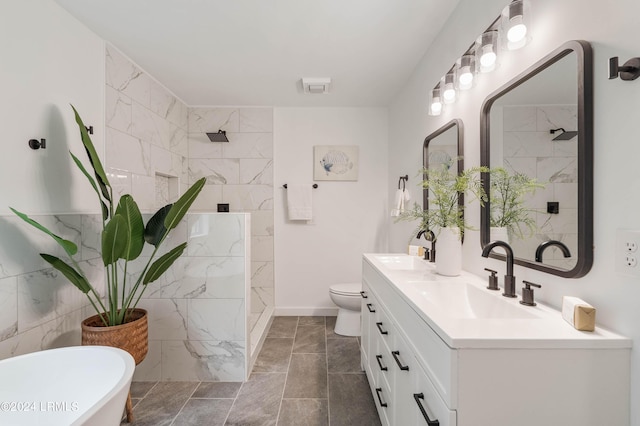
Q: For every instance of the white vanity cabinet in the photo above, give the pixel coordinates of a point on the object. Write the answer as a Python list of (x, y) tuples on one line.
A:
[(416, 370)]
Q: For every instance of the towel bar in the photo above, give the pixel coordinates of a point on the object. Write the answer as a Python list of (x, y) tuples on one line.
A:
[(315, 185)]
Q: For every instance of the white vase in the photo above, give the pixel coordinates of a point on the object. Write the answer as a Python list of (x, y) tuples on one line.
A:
[(449, 252), (499, 233)]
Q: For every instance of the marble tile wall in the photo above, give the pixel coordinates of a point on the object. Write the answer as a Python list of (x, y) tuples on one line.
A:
[(197, 309), (39, 308), (197, 313), (146, 134), (240, 173), (528, 148)]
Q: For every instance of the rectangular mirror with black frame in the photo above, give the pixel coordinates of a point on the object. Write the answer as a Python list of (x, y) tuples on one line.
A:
[(537, 137), (444, 146)]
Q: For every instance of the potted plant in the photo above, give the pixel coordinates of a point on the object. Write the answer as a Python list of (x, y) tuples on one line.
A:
[(509, 216), (117, 321), (445, 215)]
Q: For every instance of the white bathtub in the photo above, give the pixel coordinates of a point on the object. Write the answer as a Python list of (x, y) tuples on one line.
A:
[(78, 385)]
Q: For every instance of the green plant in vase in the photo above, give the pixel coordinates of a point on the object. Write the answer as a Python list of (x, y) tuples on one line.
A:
[(123, 238)]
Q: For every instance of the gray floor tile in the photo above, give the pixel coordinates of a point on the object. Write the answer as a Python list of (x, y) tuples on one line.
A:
[(140, 389), (274, 356), (343, 355), (308, 412), (201, 412), (163, 403), (217, 390), (331, 324), (310, 339), (283, 327), (311, 321), (351, 401), (258, 401), (307, 376)]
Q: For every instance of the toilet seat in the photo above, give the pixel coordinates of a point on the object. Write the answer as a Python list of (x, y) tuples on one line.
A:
[(348, 289)]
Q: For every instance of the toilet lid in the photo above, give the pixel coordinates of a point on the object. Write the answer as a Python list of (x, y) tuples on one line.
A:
[(348, 289)]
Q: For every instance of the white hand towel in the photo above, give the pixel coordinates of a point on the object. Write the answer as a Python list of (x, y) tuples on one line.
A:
[(399, 206), (299, 202)]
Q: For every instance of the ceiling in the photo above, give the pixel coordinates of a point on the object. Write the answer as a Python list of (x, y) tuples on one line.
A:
[(254, 52)]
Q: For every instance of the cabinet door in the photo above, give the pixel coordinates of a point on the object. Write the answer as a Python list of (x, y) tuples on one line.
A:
[(404, 367)]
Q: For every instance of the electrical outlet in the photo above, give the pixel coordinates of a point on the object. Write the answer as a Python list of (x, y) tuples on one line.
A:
[(627, 244)]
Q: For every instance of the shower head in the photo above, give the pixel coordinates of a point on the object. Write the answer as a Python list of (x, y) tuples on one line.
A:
[(564, 136)]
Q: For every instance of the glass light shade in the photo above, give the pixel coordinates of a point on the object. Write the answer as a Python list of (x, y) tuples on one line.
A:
[(447, 85), (435, 102), (514, 23), (487, 51), (465, 72)]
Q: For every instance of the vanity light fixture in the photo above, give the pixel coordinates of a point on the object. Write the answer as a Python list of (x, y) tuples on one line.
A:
[(448, 88), (629, 71), (514, 24), (465, 71), (435, 101), (220, 136), (487, 51)]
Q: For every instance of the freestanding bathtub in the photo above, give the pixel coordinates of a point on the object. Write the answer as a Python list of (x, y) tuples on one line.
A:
[(78, 385)]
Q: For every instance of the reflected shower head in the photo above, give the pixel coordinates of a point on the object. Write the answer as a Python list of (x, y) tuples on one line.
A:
[(564, 136)]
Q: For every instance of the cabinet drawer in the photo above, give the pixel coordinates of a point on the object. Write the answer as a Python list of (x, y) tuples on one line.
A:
[(427, 402), (384, 402)]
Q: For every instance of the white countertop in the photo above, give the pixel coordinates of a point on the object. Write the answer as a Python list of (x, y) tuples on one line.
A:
[(465, 314)]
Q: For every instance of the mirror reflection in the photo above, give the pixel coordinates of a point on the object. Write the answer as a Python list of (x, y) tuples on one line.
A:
[(444, 146), (534, 139)]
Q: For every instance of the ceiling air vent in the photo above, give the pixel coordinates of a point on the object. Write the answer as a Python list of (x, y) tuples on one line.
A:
[(316, 85)]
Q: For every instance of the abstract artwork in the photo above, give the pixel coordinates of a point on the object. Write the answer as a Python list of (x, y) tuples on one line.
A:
[(335, 162)]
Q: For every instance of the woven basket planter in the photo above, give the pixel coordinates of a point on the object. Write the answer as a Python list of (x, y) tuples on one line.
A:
[(132, 336)]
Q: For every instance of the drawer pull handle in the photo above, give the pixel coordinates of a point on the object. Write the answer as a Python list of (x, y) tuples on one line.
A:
[(396, 354), (364, 294), (379, 325), (378, 392), (379, 359), (418, 397), (370, 307)]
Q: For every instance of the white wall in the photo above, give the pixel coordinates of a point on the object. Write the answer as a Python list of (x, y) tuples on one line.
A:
[(49, 60), (611, 29), (349, 218)]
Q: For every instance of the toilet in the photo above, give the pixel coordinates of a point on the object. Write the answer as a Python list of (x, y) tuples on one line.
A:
[(348, 299)]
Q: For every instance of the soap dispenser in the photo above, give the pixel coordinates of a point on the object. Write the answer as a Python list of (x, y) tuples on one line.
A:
[(527, 293)]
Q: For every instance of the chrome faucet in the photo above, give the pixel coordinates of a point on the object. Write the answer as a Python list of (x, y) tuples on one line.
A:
[(541, 248), (509, 279), (429, 236)]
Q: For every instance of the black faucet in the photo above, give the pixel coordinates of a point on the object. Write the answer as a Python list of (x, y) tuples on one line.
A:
[(509, 279), (429, 236), (541, 248)]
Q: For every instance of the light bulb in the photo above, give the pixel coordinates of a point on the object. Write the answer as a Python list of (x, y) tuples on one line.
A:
[(436, 107), (517, 31), (466, 76), (488, 58), (449, 94)]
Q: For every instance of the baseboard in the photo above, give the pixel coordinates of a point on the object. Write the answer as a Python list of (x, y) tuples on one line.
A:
[(306, 312)]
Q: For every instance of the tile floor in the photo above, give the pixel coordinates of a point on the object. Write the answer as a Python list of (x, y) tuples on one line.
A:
[(305, 375)]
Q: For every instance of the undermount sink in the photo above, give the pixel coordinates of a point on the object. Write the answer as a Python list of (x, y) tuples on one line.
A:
[(402, 262), (463, 300)]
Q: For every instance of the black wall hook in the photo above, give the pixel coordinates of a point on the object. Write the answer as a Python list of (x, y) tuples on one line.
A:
[(403, 179), (629, 71), (37, 144)]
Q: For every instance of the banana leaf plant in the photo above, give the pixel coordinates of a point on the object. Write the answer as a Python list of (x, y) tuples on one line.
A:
[(123, 238)]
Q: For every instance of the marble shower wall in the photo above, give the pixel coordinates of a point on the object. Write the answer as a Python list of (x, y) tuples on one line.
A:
[(39, 308), (146, 135), (197, 309), (528, 148), (239, 173)]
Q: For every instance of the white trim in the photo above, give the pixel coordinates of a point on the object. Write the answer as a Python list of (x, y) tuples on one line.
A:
[(310, 311)]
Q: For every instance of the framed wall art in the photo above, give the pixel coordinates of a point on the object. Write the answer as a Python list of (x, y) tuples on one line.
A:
[(335, 162)]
